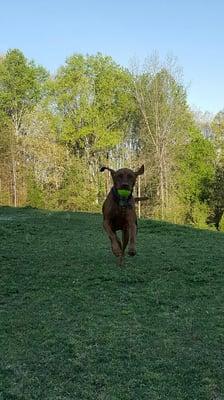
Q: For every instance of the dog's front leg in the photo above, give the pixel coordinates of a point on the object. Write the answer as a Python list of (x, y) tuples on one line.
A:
[(132, 242), (116, 246)]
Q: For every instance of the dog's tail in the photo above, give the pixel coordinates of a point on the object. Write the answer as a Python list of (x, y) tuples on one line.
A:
[(137, 199)]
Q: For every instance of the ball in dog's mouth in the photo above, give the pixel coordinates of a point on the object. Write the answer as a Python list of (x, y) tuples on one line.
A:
[(123, 192)]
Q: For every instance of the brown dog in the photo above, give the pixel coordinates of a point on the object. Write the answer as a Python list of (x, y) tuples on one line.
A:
[(119, 212)]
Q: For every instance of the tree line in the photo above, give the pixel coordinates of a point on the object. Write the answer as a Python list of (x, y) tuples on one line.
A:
[(56, 132)]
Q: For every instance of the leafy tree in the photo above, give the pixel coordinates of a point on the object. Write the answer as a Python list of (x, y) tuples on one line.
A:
[(215, 191), (5, 163), (218, 135), (20, 84), (78, 191), (94, 99), (35, 194), (164, 121), (195, 172), (20, 90), (215, 197)]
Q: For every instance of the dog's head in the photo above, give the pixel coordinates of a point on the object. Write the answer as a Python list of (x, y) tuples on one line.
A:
[(124, 178)]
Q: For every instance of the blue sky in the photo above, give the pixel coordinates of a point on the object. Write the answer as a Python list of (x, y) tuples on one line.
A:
[(49, 31)]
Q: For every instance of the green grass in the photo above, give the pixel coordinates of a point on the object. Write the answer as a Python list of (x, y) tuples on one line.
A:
[(74, 325)]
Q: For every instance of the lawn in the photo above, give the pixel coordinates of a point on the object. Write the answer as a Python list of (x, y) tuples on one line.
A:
[(74, 325)]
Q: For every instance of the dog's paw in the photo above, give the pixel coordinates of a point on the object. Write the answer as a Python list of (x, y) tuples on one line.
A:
[(118, 254), (132, 252), (120, 261), (117, 250)]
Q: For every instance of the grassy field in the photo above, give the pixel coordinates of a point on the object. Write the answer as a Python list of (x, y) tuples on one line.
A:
[(73, 325)]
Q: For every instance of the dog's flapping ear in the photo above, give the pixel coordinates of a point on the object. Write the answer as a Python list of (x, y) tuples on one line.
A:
[(140, 171), (109, 169)]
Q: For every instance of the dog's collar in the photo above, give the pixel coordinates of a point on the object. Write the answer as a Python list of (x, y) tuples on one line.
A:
[(124, 202)]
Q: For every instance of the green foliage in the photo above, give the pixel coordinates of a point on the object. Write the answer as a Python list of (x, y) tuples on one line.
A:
[(218, 127), (77, 191), (196, 169), (35, 195), (214, 196), (20, 83), (93, 97), (5, 137), (214, 193), (216, 187)]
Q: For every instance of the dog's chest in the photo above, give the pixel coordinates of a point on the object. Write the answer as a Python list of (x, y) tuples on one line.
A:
[(119, 221)]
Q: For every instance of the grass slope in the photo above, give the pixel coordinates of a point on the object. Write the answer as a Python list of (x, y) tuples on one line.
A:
[(73, 325)]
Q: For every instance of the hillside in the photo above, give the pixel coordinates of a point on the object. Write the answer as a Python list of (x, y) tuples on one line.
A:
[(76, 326)]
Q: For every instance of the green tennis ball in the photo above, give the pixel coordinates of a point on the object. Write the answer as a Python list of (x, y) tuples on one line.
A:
[(124, 192)]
